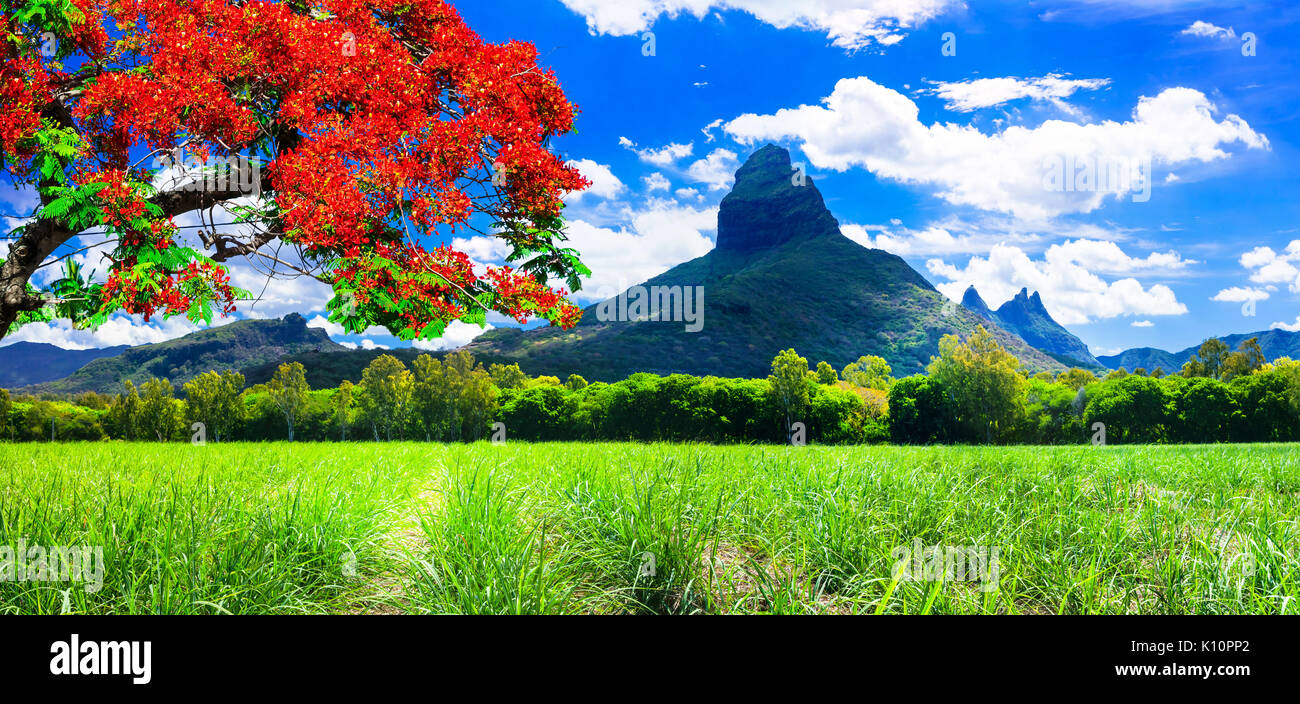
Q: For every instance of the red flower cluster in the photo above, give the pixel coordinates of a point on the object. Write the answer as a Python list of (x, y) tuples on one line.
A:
[(391, 122)]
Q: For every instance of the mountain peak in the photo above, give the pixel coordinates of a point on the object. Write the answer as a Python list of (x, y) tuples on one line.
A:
[(1025, 303), (771, 204), (972, 300)]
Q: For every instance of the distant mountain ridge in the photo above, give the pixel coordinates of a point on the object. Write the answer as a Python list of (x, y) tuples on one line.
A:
[(1274, 343), (238, 345), (1026, 316), (25, 363)]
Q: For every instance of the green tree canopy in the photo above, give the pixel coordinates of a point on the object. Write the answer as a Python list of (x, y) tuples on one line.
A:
[(213, 399), (386, 387), (789, 385), (288, 390), (869, 372), (984, 383)]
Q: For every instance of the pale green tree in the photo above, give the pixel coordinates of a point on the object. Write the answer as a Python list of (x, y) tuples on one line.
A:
[(478, 402), (508, 376), (6, 405), (288, 390), (341, 403), (1076, 378), (386, 386), (429, 397), (869, 372), (789, 385), (123, 417), (1248, 359), (576, 382), (1209, 360), (826, 374), (158, 413), (213, 399), (985, 384)]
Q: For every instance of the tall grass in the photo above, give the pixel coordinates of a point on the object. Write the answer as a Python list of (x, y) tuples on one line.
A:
[(216, 529), (629, 528)]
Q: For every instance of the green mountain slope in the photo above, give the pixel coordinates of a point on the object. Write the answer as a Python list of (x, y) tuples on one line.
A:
[(781, 276), (236, 346)]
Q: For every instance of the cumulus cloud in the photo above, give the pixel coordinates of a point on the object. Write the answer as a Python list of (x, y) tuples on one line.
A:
[(482, 249), (927, 241), (1272, 268), (277, 296), (1289, 327), (1068, 279), (1200, 28), (458, 334), (118, 330), (717, 170), (604, 184), (656, 182), (654, 238), (1238, 294), (662, 157), (864, 124), (1143, 324), (849, 24), (967, 96)]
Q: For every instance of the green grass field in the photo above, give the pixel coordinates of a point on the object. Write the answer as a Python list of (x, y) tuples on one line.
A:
[(627, 528)]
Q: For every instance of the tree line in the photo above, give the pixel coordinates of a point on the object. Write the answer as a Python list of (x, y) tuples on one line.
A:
[(973, 392)]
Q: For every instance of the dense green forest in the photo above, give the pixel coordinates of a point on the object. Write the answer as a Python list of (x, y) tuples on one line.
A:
[(974, 392)]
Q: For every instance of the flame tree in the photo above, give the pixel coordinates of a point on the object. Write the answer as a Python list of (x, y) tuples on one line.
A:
[(372, 127)]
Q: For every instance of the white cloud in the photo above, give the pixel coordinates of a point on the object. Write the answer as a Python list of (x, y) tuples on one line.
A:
[(864, 124), (709, 137), (662, 157), (457, 334), (654, 239), (849, 24), (1271, 267), (1107, 257), (118, 330), (1200, 28), (368, 344), (278, 296), (656, 182), (931, 240), (1289, 327), (717, 170), (604, 184), (967, 96), (482, 249), (1071, 289), (1143, 324), (1237, 294), (331, 329)]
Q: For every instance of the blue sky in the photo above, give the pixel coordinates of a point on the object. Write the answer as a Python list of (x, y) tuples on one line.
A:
[(930, 126)]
